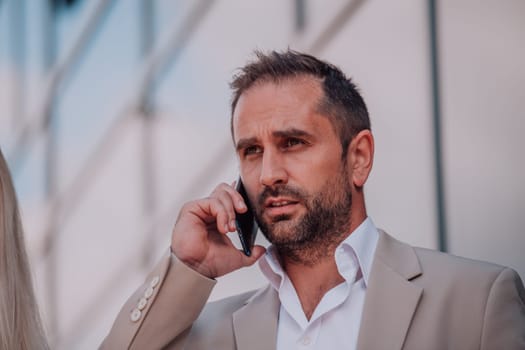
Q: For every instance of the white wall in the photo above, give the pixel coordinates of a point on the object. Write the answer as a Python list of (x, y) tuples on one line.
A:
[(483, 51)]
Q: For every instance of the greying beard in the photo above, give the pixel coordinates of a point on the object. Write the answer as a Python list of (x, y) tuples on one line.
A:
[(316, 235)]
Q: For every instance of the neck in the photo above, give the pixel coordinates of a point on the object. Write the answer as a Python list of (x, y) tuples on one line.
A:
[(311, 282), (314, 272)]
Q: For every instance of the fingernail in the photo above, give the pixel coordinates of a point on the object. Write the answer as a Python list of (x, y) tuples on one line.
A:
[(226, 228), (232, 224), (241, 205)]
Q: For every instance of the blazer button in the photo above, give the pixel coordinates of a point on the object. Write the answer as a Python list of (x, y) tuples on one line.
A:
[(142, 304), (148, 292), (135, 315), (155, 281)]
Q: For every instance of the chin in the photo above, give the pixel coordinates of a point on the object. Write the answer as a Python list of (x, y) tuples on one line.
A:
[(279, 230), (281, 218)]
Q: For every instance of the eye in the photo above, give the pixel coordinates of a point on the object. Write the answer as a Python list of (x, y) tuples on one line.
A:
[(292, 141), (252, 150)]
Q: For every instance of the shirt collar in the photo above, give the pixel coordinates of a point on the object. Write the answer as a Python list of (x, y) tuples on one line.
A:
[(271, 268), (359, 247), (361, 243)]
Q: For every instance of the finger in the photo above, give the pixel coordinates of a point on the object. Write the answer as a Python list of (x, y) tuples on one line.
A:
[(227, 201), (237, 199), (232, 201), (213, 208)]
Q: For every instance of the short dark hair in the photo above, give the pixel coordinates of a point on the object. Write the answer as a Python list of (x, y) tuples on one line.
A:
[(341, 100)]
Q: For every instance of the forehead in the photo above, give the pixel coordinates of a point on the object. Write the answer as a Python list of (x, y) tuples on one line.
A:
[(276, 105)]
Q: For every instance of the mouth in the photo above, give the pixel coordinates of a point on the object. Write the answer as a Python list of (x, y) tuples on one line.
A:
[(280, 206)]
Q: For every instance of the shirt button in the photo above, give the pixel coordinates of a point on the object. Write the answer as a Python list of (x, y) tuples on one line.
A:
[(306, 341), (154, 281), (135, 315), (148, 292), (142, 303)]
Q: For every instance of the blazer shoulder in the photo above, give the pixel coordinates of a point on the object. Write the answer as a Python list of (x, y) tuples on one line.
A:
[(430, 256), (437, 263), (490, 298), (464, 276)]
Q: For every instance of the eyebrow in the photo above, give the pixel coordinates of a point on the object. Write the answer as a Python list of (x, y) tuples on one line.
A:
[(291, 132), (243, 143)]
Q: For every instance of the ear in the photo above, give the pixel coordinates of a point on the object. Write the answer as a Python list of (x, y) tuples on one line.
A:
[(361, 157)]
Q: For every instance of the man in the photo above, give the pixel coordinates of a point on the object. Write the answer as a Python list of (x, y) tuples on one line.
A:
[(302, 135)]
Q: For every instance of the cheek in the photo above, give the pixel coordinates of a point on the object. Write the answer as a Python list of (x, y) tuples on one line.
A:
[(249, 170), (250, 173), (316, 168), (327, 174)]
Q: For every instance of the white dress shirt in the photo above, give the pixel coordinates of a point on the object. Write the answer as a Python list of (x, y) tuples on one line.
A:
[(336, 319)]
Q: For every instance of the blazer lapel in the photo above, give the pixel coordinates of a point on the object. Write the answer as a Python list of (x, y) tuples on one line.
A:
[(255, 324), (391, 299)]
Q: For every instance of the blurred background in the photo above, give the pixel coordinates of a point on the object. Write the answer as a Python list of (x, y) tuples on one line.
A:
[(114, 113)]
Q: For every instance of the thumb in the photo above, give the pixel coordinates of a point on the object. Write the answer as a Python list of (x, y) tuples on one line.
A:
[(257, 252)]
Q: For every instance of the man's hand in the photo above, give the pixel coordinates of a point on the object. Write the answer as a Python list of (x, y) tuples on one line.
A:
[(199, 237)]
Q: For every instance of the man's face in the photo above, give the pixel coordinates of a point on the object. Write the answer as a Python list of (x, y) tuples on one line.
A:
[(290, 163)]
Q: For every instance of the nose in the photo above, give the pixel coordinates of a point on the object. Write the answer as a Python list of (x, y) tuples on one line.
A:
[(273, 171)]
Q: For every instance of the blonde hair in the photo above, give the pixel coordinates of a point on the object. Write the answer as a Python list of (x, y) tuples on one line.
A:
[(20, 324)]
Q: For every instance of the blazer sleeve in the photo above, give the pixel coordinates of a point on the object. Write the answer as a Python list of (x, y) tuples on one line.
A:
[(504, 320), (162, 309)]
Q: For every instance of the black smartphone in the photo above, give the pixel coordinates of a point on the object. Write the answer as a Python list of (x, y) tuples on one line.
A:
[(245, 222)]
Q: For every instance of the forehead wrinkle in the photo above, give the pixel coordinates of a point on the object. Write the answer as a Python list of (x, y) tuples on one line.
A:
[(290, 132), (308, 83)]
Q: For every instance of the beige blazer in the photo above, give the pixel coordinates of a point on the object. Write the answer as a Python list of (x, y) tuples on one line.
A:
[(416, 299)]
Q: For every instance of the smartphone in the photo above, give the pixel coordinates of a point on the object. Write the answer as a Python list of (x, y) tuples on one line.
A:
[(245, 222)]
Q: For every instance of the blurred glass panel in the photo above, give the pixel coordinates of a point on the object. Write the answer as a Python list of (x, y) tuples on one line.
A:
[(99, 87)]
